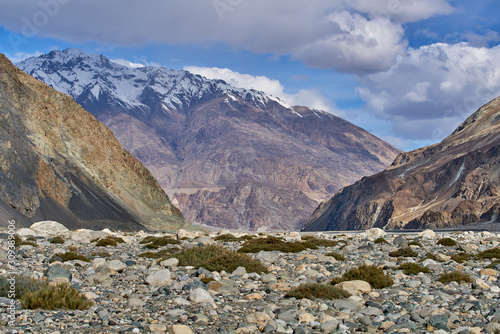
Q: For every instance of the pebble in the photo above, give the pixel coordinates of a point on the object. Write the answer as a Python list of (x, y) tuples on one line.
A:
[(140, 295)]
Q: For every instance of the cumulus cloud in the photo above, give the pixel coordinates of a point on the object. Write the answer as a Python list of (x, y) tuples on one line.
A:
[(304, 97), (429, 92), (322, 33), (359, 45)]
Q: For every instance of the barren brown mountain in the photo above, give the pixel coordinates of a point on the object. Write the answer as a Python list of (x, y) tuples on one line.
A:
[(58, 162), (455, 182), (229, 157)]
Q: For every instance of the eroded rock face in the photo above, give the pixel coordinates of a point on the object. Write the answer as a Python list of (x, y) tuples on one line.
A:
[(455, 182), (225, 154), (58, 162)]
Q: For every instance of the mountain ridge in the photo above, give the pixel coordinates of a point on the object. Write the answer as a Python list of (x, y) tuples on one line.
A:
[(454, 182), (198, 135), (60, 163)]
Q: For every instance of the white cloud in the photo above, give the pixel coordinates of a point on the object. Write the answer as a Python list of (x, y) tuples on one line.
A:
[(304, 97), (359, 45), (20, 56), (402, 11), (127, 63), (433, 89), (322, 33)]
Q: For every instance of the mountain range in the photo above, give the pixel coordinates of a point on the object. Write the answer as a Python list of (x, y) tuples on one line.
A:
[(228, 157), (58, 162), (453, 183)]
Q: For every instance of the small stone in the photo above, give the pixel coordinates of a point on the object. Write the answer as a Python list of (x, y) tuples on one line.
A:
[(442, 257), (56, 270), (200, 296), (116, 265), (330, 326), (481, 284), (179, 329), (136, 302), (159, 278), (253, 296), (356, 285), (157, 328), (429, 234), (489, 272), (386, 325), (258, 318), (306, 317), (172, 262), (375, 232), (240, 271)]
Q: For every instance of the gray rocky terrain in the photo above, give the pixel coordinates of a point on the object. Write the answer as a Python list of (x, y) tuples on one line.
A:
[(133, 294)]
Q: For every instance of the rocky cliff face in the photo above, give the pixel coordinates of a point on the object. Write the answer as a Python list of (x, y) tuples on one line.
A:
[(455, 182), (229, 157), (58, 162)]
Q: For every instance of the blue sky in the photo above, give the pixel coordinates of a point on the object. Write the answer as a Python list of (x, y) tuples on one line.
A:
[(409, 71)]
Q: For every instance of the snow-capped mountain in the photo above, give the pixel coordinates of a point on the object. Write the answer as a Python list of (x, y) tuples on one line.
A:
[(231, 157), (92, 78)]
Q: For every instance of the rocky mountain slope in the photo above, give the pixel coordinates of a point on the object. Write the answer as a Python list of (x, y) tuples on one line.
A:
[(455, 182), (230, 157), (58, 162)]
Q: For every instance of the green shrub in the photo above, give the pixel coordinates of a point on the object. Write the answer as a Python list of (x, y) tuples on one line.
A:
[(272, 243), (410, 268), (23, 284), (461, 257), (316, 290), (20, 242), (100, 254), (336, 256), (109, 241), (54, 297), (381, 240), (217, 258), (152, 242), (34, 294), (371, 274), (447, 242), (403, 252), (456, 276), (68, 256), (231, 238), (159, 256), (56, 240), (493, 253)]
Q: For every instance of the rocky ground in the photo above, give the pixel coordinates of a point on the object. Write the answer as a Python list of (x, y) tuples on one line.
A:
[(138, 295)]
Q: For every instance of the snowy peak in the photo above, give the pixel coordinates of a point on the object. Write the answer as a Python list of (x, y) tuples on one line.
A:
[(94, 77)]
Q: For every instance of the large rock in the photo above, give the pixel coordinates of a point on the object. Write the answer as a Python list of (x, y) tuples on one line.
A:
[(200, 295), (49, 227)]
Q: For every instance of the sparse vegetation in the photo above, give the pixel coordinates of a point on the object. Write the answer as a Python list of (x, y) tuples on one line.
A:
[(371, 274), (456, 276), (336, 256), (316, 290), (20, 242), (403, 252), (410, 268), (100, 254), (381, 240), (159, 256), (231, 238), (493, 264), (34, 294), (152, 242), (68, 256), (108, 241), (447, 242), (415, 243), (493, 253), (272, 243), (217, 258), (461, 257), (431, 256), (56, 240)]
